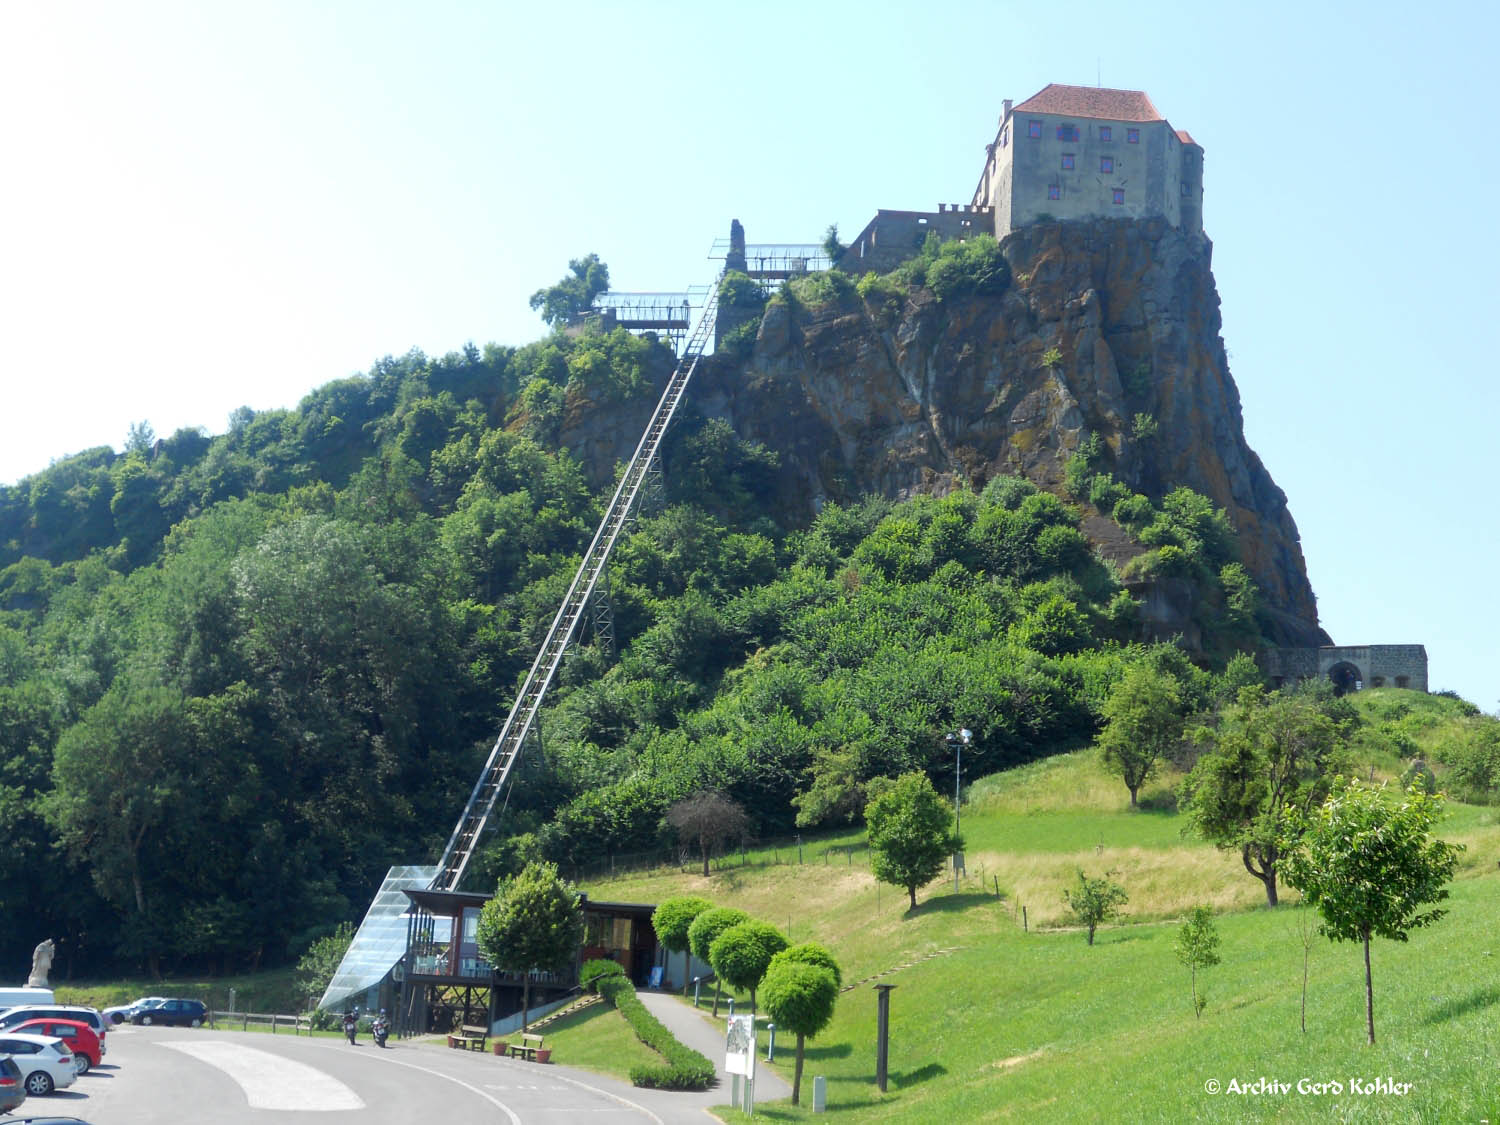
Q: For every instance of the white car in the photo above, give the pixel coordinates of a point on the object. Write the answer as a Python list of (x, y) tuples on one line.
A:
[(121, 1013), (46, 1063)]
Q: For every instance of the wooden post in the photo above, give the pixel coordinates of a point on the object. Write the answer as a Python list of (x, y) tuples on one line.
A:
[(1025, 927)]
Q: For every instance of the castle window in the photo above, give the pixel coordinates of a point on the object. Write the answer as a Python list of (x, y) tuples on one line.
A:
[(1005, 136), (1119, 195), (1067, 161), (1132, 136), (1106, 164), (1105, 133), (1067, 132), (1403, 681), (1034, 130), (1377, 681), (1054, 191), (1186, 190)]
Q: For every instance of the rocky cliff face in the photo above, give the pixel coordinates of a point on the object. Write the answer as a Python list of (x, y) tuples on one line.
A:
[(1103, 321)]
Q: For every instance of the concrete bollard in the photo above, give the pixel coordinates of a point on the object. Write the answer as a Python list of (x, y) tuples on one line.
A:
[(820, 1094)]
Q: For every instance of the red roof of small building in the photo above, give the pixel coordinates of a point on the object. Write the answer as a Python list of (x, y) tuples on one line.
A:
[(1185, 137), (1091, 101)]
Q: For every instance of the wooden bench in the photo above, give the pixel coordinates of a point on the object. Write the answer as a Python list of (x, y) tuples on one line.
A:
[(527, 1047), (470, 1036)]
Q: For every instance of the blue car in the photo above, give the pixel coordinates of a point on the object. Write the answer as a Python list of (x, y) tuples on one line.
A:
[(174, 1013)]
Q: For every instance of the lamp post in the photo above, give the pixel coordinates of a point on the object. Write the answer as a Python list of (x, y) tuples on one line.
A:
[(958, 742)]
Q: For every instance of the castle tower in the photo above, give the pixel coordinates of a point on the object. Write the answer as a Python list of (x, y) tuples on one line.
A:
[(1084, 152)]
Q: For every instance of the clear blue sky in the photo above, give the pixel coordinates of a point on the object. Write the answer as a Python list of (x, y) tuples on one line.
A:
[(216, 205)]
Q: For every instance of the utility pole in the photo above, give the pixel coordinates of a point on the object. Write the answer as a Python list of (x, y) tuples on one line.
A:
[(958, 741)]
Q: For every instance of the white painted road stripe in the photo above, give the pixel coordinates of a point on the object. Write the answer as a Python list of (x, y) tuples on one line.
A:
[(270, 1081)]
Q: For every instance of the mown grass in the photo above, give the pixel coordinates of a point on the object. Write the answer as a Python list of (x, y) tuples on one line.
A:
[(598, 1039), (1040, 1026)]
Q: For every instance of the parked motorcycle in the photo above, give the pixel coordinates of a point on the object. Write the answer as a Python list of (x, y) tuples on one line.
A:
[(381, 1028), (351, 1025)]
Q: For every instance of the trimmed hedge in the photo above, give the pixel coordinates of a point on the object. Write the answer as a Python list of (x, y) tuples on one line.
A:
[(684, 1069)]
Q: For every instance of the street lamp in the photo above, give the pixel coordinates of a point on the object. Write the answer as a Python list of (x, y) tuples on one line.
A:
[(958, 742)]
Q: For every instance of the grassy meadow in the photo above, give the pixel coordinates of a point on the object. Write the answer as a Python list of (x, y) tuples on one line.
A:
[(1036, 1025)]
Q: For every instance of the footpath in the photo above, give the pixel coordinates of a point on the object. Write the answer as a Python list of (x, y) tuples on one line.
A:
[(704, 1034)]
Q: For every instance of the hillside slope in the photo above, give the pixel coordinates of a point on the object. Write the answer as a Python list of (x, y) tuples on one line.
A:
[(1104, 322), (992, 1022)]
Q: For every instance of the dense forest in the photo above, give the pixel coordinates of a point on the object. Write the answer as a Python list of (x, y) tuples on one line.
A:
[(243, 674)]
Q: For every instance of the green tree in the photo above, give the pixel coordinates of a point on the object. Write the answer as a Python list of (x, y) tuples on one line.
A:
[(706, 929), (120, 775), (533, 922), (743, 952), (800, 997), (910, 831), (671, 920), (575, 293), (1369, 864), (1094, 901), (316, 967), (1143, 720), (1271, 756), (1197, 947)]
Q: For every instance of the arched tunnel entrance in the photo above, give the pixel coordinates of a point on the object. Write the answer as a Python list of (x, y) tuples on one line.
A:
[(1345, 677)]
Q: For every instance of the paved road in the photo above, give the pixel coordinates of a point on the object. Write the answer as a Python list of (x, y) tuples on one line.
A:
[(161, 1075)]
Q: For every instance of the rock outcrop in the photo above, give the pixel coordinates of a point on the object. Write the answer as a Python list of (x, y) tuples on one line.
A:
[(1103, 321)]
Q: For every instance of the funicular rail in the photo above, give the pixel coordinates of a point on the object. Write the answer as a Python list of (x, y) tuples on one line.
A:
[(507, 749)]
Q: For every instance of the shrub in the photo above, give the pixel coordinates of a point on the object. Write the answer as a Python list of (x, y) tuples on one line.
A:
[(740, 291), (1007, 492), (1105, 492), (1134, 512), (974, 266), (1052, 357), (883, 295), (593, 972), (684, 1068), (739, 341), (1078, 472), (823, 288), (1420, 774)]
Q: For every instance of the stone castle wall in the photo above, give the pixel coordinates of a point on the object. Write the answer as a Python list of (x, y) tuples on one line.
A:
[(1360, 666)]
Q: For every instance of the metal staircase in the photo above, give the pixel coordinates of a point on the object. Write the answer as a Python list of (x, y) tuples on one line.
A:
[(522, 719)]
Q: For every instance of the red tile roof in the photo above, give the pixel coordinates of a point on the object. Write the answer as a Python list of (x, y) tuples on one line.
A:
[(1091, 101), (1185, 137)]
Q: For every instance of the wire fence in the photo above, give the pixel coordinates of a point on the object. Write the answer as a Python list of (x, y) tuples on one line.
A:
[(785, 850)]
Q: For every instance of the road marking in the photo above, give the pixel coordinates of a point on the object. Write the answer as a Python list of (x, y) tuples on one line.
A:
[(271, 1081), (385, 1060), (611, 1097)]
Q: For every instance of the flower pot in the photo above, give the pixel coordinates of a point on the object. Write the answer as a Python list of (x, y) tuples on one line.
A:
[(543, 1054), (499, 1049)]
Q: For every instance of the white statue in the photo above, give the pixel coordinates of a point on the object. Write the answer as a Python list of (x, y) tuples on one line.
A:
[(41, 961)]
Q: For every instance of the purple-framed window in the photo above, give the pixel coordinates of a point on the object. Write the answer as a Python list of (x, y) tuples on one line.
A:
[(1132, 136), (1106, 164), (1034, 130), (1067, 161), (1119, 195), (1105, 133), (1054, 191)]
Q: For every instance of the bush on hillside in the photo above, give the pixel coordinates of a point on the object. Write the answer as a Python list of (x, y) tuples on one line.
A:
[(684, 1068)]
